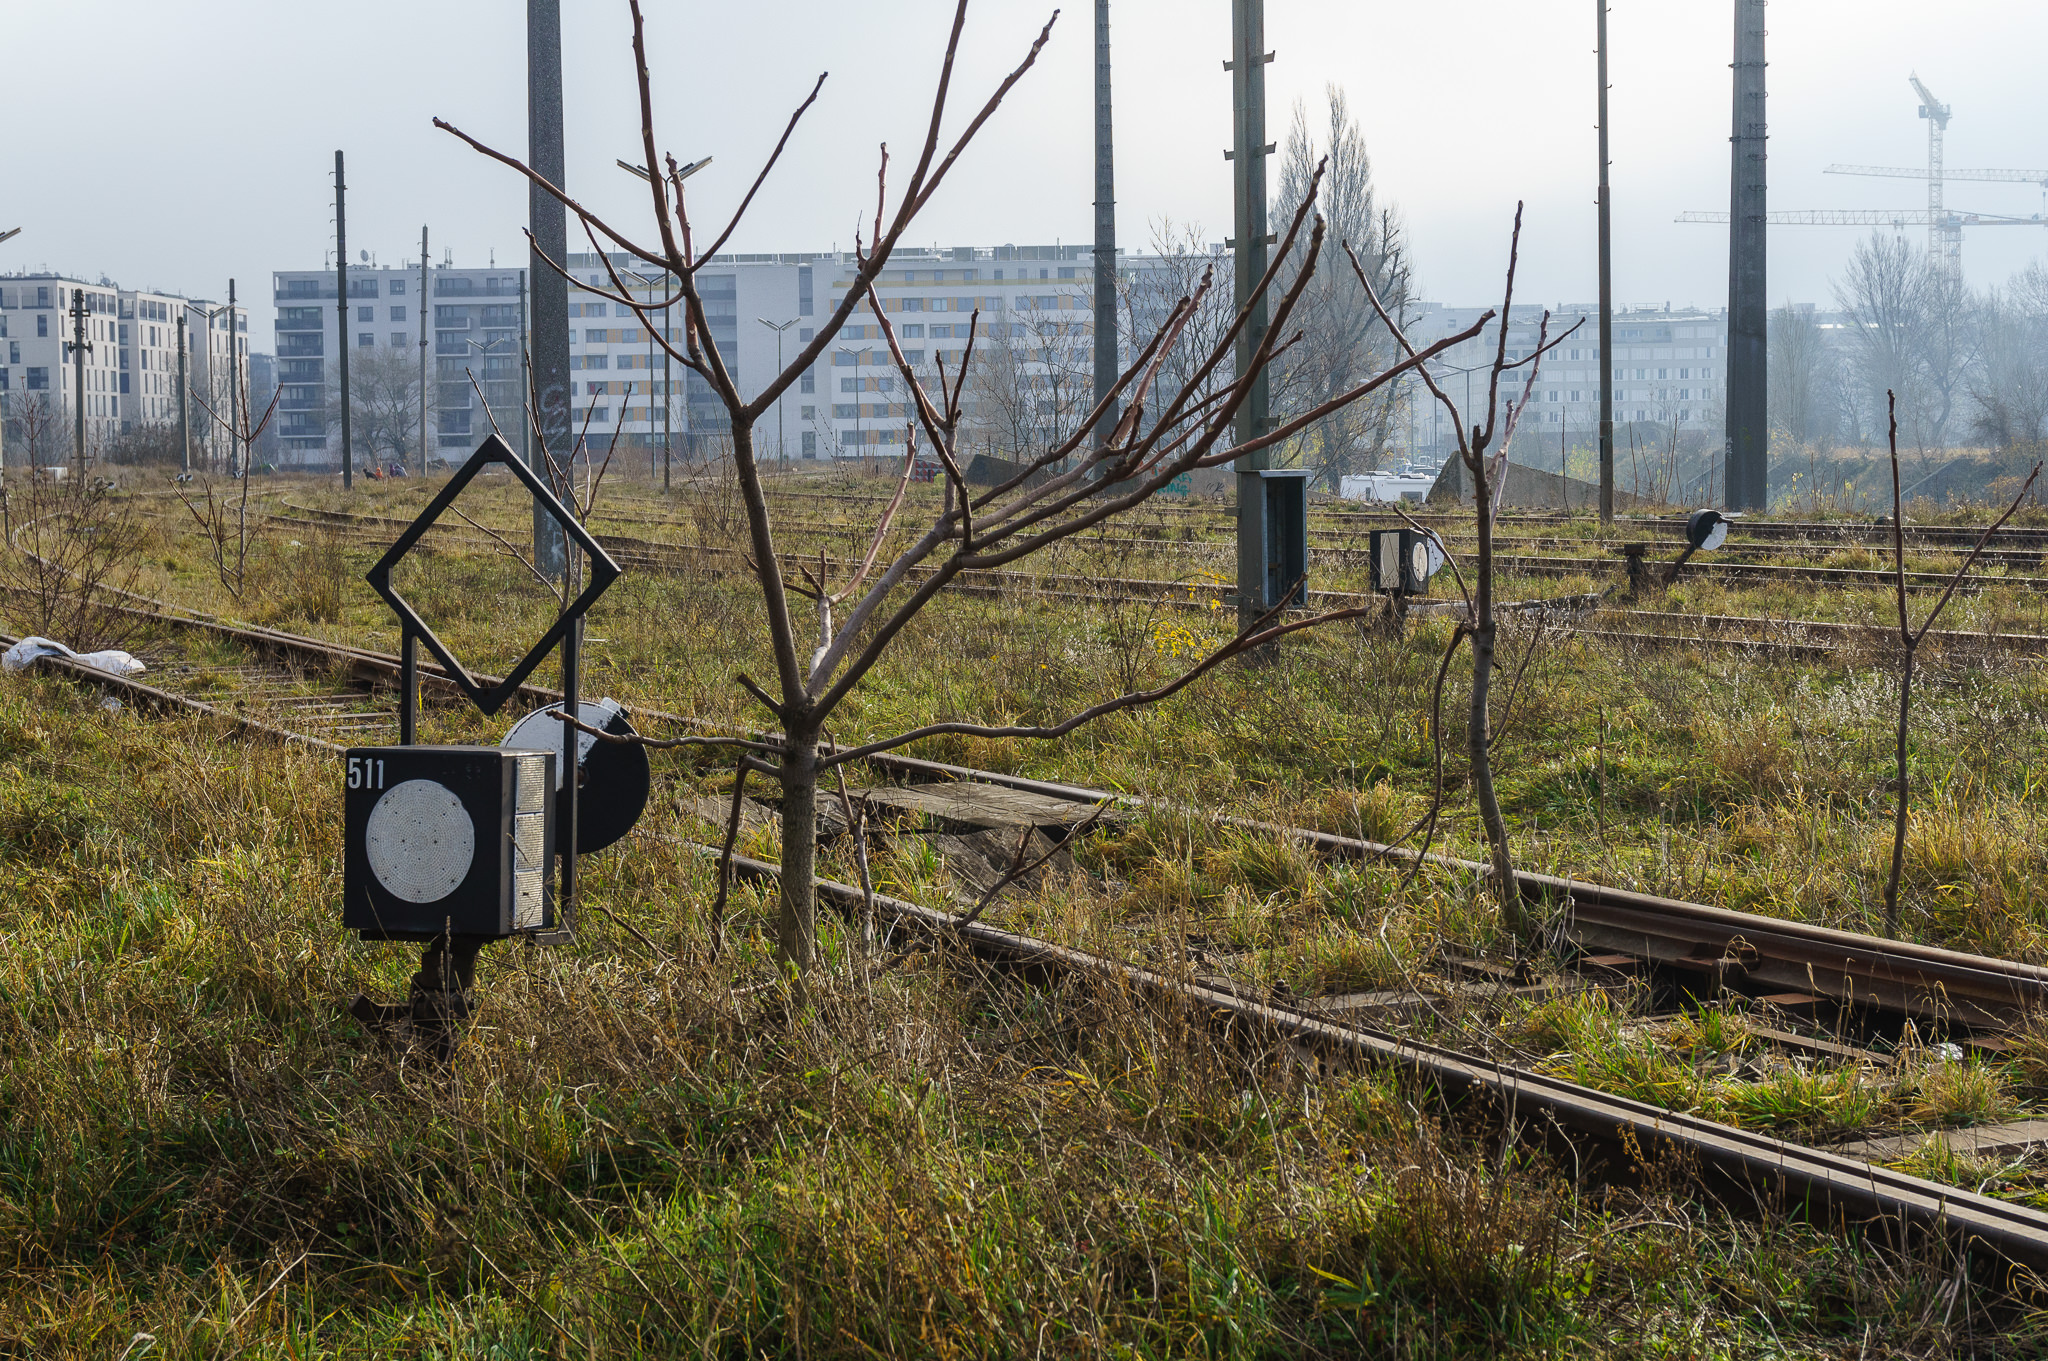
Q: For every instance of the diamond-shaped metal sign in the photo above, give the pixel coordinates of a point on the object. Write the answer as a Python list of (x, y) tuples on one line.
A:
[(603, 572)]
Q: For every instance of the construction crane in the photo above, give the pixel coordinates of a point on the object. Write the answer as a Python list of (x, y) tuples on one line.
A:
[(1944, 228), (1944, 239), (1899, 218)]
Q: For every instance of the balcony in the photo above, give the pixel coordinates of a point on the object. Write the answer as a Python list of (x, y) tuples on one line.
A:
[(310, 345)]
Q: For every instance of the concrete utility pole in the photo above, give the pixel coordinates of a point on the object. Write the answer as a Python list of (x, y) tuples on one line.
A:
[(1606, 291), (78, 345), (525, 377), (423, 350), (1106, 358), (549, 223), (184, 407), (1248, 155), (1749, 434), (237, 450), (348, 463)]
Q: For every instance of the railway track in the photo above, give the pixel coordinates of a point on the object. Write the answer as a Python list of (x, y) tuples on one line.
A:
[(300, 690), (653, 555)]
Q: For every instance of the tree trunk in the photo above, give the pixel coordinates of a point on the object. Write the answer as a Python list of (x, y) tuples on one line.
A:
[(1891, 883), (797, 929), (1478, 732), (1478, 737)]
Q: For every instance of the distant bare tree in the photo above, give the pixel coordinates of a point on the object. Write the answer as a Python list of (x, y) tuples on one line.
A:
[(1802, 376), (1911, 332), (1031, 381), (384, 402), (969, 532), (2009, 390), (1342, 337), (1150, 296)]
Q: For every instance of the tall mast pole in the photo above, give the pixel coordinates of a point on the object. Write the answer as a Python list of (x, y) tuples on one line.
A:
[(549, 225), (184, 408), (1749, 441), (348, 465), (1606, 291), (79, 346), (1106, 357), (1248, 156), (237, 452), (423, 350)]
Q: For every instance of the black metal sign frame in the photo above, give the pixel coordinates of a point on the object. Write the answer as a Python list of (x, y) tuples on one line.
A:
[(603, 572)]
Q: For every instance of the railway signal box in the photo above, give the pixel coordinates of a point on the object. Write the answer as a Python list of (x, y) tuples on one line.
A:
[(1403, 560), (448, 841)]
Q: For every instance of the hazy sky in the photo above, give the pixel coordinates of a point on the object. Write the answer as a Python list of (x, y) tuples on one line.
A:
[(174, 145)]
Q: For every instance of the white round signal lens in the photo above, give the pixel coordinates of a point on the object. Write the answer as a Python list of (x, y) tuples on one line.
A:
[(420, 841)]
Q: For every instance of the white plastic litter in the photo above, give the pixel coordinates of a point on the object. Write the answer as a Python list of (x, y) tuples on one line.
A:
[(24, 653)]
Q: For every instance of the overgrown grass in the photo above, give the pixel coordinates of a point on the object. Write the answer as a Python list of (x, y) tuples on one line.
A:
[(651, 1154)]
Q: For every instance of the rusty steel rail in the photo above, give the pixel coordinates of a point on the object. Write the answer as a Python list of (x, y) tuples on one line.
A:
[(1605, 1131), (1613, 1131), (1737, 947)]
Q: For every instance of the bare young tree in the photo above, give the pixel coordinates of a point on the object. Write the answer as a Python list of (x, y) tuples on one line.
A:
[(74, 548), (994, 529), (1910, 639), (222, 515), (1482, 450)]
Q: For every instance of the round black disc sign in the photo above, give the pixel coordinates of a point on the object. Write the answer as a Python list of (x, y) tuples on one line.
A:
[(615, 776)]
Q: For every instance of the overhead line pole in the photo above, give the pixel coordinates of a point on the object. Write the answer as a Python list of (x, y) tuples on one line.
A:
[(1106, 356), (237, 450), (184, 384), (549, 226), (1248, 157), (423, 304), (1606, 289), (348, 465), (79, 345), (1746, 485)]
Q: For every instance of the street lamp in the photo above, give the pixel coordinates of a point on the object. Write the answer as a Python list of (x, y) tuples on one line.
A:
[(781, 448), (853, 362)]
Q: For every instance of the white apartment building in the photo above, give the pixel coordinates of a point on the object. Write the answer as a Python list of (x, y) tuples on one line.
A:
[(131, 370), (1670, 370), (762, 309)]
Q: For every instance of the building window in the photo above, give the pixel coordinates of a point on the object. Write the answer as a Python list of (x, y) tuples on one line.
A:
[(43, 322), (14, 352), (366, 314), (38, 380), (913, 333), (807, 383), (810, 444), (398, 314), (398, 288), (398, 339), (846, 411), (804, 333), (841, 359), (366, 340)]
